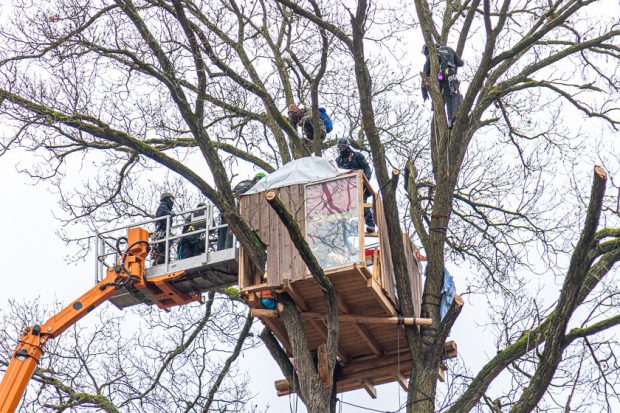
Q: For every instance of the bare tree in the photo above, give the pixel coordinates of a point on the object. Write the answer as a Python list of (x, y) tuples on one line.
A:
[(139, 85), (168, 362)]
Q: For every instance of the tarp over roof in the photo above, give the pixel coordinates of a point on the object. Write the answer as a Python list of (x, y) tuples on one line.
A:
[(299, 171)]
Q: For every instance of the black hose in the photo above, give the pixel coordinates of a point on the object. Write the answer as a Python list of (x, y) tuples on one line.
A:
[(122, 265)]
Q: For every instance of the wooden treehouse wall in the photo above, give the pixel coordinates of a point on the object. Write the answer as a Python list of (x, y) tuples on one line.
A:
[(283, 259)]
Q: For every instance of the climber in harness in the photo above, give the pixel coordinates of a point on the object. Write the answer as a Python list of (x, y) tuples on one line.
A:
[(166, 202), (299, 116), (350, 159), (449, 62), (193, 244), (224, 236)]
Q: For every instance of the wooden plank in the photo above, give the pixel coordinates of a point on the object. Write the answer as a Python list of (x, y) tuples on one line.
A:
[(264, 211), (450, 349), (320, 328), (255, 288), (244, 279), (387, 269), (413, 270), (253, 300), (370, 389), (441, 375), (381, 298), (360, 215), (297, 298), (274, 276), (286, 245), (298, 199), (402, 380), (279, 333), (363, 332)]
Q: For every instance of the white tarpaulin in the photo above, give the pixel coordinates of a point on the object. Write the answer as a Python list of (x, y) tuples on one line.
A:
[(299, 171)]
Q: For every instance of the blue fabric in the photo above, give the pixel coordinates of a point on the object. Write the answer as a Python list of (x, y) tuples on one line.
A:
[(268, 303), (447, 293), (329, 125)]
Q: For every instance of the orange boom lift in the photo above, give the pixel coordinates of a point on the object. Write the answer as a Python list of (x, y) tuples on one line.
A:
[(31, 346)]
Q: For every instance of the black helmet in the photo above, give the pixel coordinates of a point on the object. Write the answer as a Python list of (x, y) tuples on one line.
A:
[(165, 195), (343, 144)]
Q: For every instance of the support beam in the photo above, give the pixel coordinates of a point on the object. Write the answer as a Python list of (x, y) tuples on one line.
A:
[(450, 350), (402, 380), (363, 332), (381, 297), (322, 330), (442, 372), (256, 312), (297, 298), (275, 329), (370, 389)]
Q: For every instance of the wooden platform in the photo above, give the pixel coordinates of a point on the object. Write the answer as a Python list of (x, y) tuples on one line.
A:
[(369, 353), (358, 294), (219, 271), (366, 373)]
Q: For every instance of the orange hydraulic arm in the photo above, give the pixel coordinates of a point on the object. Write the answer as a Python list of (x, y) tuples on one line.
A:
[(32, 342)]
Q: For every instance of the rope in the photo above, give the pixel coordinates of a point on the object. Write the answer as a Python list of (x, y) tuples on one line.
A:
[(367, 408), (398, 357)]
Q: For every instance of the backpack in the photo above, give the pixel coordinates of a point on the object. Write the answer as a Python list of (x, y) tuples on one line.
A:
[(329, 125)]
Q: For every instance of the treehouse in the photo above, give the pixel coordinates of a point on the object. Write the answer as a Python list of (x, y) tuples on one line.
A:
[(328, 205)]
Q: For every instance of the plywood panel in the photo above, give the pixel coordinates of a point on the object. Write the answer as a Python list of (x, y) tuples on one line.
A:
[(415, 275), (286, 245), (387, 269), (297, 202)]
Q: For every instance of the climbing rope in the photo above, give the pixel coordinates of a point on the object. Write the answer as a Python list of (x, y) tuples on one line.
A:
[(369, 409)]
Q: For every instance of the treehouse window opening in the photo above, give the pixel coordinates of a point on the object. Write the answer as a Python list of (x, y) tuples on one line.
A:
[(333, 221)]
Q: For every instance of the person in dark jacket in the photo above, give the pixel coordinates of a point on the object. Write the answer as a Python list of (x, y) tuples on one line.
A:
[(166, 202), (449, 62), (194, 244), (224, 236), (350, 159)]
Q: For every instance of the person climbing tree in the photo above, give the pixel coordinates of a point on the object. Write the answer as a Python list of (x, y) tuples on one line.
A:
[(449, 62), (350, 159), (166, 202), (299, 116), (325, 124)]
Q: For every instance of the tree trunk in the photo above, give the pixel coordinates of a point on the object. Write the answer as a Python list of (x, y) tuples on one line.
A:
[(422, 386), (321, 400)]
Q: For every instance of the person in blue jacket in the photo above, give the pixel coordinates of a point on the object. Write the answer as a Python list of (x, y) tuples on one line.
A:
[(326, 125)]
